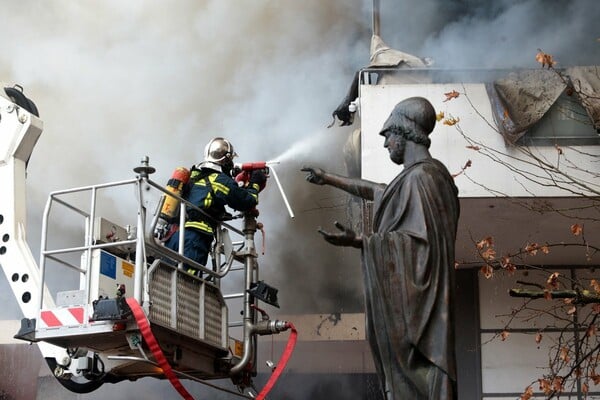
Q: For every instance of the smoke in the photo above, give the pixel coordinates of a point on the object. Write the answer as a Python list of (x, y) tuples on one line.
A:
[(499, 34), (115, 81)]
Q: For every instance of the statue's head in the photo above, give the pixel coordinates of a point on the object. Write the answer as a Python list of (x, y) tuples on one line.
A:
[(413, 119)]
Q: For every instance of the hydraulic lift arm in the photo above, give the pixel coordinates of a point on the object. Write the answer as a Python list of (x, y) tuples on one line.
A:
[(20, 130)]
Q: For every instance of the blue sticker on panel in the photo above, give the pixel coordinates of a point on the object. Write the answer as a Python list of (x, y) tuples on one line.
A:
[(108, 265)]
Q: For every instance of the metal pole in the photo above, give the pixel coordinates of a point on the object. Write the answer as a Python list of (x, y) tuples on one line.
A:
[(143, 170), (140, 258), (43, 246), (376, 25), (285, 200), (249, 318), (89, 241)]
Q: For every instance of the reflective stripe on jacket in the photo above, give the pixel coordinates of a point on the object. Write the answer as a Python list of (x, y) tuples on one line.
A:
[(212, 193)]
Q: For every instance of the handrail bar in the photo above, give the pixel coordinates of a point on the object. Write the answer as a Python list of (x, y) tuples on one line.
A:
[(92, 187), (149, 240), (92, 247), (67, 264)]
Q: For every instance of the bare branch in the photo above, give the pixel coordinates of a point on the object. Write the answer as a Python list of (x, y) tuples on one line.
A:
[(578, 296)]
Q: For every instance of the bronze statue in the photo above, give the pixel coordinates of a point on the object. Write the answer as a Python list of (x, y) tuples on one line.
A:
[(408, 260)]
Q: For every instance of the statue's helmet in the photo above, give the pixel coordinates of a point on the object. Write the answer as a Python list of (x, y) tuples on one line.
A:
[(219, 151), (414, 118)]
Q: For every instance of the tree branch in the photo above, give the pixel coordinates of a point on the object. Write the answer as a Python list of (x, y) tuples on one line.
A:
[(579, 296)]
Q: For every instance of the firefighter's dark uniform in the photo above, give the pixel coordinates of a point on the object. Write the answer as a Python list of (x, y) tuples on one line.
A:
[(211, 191)]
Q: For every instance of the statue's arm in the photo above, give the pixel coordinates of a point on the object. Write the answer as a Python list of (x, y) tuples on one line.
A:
[(357, 187)]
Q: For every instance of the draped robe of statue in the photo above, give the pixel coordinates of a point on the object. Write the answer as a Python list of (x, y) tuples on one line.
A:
[(408, 264)]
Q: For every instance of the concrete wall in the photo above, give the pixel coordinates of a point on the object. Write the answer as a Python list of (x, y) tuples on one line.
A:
[(473, 109), (20, 368)]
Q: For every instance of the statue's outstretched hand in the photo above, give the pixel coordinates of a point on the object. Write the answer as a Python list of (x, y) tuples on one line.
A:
[(347, 237), (314, 175)]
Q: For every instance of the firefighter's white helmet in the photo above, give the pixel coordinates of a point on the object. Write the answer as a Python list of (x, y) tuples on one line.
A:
[(219, 151)]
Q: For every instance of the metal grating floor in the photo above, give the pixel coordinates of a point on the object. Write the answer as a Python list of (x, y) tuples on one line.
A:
[(199, 307)]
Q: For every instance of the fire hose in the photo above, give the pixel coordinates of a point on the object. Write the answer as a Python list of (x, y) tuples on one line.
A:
[(144, 326), (142, 322), (285, 356)]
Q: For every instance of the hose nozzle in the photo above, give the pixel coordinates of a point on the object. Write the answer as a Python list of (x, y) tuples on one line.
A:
[(270, 327)]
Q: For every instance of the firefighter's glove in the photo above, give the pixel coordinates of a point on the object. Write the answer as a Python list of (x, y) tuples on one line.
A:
[(242, 178), (258, 179)]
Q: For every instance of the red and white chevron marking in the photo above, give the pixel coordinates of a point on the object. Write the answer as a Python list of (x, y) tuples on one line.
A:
[(68, 316)]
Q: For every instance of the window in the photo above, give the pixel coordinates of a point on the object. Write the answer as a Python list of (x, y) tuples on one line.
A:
[(565, 123)]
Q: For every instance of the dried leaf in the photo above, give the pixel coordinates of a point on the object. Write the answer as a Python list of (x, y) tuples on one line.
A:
[(558, 149), (547, 295), (538, 337), (545, 249), (545, 59), (451, 121), (585, 388), (539, 57), (467, 165), (532, 248), (595, 377), (557, 384), (571, 310), (527, 394), (576, 229), (489, 254), (596, 308), (564, 354), (545, 385), (595, 285), (476, 148), (507, 265), (451, 95), (504, 335), (553, 280), (511, 268), (591, 330), (487, 271), (486, 242), (439, 116)]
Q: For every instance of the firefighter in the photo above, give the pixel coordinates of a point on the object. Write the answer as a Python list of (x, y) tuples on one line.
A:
[(211, 188)]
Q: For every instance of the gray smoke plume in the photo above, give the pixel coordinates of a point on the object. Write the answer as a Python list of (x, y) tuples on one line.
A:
[(494, 34), (114, 82), (117, 80)]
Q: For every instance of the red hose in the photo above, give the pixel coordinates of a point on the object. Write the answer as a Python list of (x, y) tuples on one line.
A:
[(144, 326), (287, 353)]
